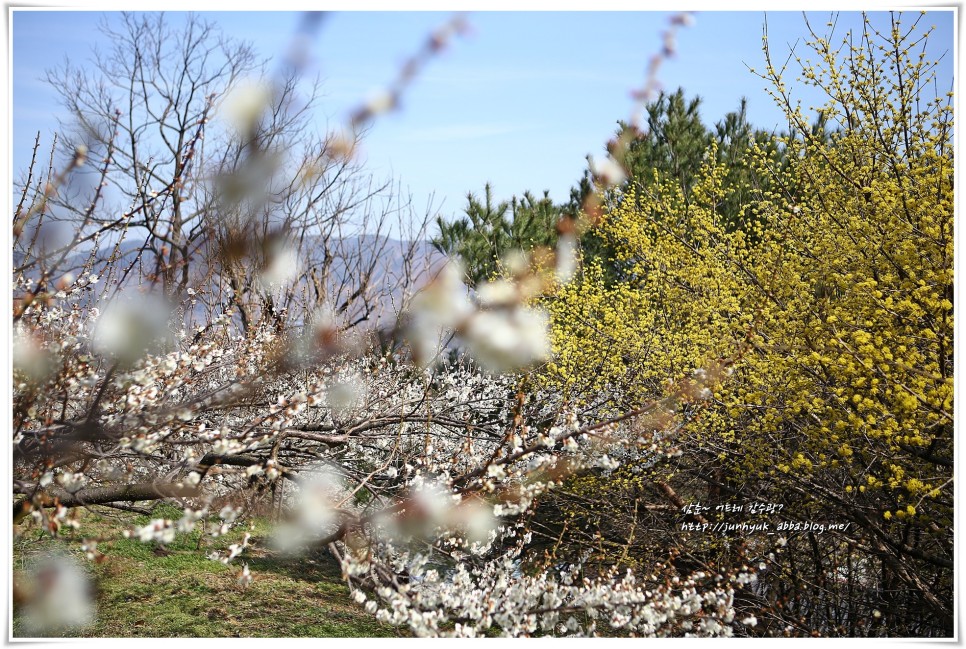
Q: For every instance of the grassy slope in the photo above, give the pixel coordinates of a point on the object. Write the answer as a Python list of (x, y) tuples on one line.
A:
[(144, 591)]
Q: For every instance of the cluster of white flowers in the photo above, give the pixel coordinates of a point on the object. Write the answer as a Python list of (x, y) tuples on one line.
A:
[(496, 595), (72, 481), (402, 469), (319, 491), (499, 330), (53, 521), (608, 170), (30, 359), (282, 267), (131, 327), (433, 511), (506, 341), (420, 478), (234, 550), (160, 530), (345, 394)]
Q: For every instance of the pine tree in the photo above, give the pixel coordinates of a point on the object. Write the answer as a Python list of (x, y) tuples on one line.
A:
[(490, 230)]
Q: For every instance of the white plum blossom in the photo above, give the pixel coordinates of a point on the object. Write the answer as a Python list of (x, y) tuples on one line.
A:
[(497, 292), (72, 481), (131, 327), (567, 257), (345, 394), (283, 267), (515, 262), (246, 103), (504, 342), (475, 519), (320, 491), (608, 170), (30, 358), (445, 301), (228, 514), (441, 306), (497, 595), (380, 102), (160, 530), (58, 596), (245, 578)]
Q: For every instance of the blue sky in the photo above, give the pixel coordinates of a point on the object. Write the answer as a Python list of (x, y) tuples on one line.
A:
[(519, 102)]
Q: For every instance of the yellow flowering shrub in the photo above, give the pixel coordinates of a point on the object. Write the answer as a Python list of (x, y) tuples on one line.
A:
[(835, 302)]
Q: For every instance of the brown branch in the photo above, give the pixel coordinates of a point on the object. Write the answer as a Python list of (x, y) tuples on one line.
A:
[(211, 460), (52, 495)]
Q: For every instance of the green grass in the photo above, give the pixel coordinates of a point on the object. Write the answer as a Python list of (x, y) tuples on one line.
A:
[(146, 591)]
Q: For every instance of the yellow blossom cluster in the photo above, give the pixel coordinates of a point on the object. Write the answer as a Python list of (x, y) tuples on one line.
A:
[(833, 296)]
